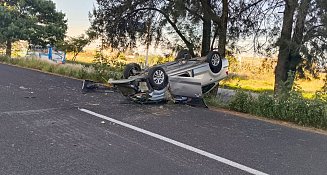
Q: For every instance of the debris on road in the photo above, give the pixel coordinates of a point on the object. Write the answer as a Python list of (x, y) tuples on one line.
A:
[(23, 88)]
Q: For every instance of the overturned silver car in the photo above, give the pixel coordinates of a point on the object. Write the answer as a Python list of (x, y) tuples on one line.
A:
[(184, 79)]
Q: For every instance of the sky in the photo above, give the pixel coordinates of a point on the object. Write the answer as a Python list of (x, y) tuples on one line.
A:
[(77, 12)]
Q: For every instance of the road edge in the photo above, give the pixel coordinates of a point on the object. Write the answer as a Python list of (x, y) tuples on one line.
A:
[(271, 121)]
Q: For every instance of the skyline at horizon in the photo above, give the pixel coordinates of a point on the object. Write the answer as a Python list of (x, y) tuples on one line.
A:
[(78, 20)]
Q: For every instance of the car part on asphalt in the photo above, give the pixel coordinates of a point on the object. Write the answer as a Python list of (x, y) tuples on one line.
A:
[(91, 86)]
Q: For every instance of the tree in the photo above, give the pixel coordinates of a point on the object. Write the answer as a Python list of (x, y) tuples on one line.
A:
[(76, 44), (123, 22), (36, 21), (301, 29), (303, 38)]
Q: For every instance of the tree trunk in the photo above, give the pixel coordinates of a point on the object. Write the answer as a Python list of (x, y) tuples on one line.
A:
[(206, 32), (214, 39), (8, 48), (281, 71), (223, 30), (295, 58)]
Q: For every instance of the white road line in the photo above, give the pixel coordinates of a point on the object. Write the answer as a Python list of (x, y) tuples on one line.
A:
[(179, 144)]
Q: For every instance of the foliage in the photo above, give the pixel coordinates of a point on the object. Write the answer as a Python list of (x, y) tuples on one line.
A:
[(124, 23), (288, 105), (212, 100), (292, 107), (71, 70), (36, 21), (74, 45), (322, 94), (106, 68), (242, 101), (121, 24)]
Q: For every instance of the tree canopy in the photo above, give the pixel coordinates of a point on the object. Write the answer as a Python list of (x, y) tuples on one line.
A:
[(296, 29), (197, 24), (36, 21)]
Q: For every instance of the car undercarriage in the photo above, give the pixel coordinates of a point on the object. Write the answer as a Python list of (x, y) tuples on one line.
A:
[(184, 80)]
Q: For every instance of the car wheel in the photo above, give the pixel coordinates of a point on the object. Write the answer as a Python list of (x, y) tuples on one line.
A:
[(183, 55), (158, 78), (215, 62), (131, 70)]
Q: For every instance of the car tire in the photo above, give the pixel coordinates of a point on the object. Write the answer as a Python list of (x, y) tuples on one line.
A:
[(183, 55), (158, 78), (215, 61), (131, 69)]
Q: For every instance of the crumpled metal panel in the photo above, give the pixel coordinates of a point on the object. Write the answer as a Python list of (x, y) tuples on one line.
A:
[(185, 86)]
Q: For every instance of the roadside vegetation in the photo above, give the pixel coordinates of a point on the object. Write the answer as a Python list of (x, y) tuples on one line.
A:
[(291, 107), (305, 104), (286, 88), (98, 71)]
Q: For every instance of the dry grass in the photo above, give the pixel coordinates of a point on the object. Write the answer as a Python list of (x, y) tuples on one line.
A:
[(88, 57), (85, 57), (258, 75)]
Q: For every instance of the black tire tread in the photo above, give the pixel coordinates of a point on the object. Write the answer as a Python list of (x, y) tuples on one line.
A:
[(129, 67)]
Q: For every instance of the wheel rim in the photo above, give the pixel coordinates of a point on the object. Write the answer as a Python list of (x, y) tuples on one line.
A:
[(158, 77), (215, 60)]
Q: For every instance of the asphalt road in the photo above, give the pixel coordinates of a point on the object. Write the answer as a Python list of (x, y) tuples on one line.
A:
[(45, 129)]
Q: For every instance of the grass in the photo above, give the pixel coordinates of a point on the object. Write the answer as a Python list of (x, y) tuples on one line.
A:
[(258, 76), (72, 70), (306, 105), (83, 57), (292, 107)]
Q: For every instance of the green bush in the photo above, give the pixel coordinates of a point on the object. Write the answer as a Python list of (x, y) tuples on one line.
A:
[(242, 102), (4, 59), (264, 105), (214, 101), (291, 107), (287, 105)]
